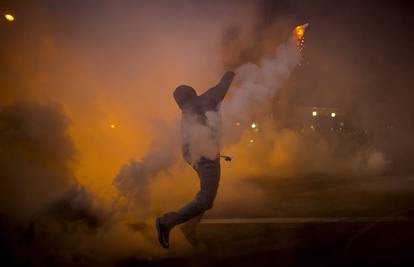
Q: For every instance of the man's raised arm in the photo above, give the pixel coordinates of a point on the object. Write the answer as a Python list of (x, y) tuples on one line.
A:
[(215, 95)]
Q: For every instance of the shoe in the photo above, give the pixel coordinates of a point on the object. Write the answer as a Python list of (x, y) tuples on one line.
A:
[(163, 233)]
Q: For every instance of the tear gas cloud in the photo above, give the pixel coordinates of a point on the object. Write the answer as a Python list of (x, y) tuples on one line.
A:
[(73, 183)]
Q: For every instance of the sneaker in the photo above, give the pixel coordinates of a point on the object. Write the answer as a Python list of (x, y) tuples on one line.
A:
[(163, 233)]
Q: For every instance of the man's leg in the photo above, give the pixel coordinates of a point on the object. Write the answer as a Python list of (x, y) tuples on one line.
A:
[(209, 174)]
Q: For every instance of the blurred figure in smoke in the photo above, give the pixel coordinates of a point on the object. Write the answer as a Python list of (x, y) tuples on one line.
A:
[(200, 129)]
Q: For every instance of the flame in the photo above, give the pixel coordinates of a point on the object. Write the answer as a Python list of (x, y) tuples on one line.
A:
[(299, 30)]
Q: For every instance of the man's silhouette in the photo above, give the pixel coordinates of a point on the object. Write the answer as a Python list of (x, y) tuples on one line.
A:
[(197, 111)]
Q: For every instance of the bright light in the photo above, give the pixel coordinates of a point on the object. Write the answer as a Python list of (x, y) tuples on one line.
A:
[(9, 17), (251, 141), (237, 124), (254, 125), (299, 31), (314, 113), (333, 114), (112, 126)]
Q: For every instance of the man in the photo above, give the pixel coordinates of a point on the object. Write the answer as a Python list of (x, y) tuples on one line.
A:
[(200, 144)]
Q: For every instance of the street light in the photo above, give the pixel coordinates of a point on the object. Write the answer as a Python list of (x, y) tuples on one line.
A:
[(9, 17)]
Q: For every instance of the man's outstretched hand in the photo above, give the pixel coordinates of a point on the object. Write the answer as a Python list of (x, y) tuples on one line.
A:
[(228, 77)]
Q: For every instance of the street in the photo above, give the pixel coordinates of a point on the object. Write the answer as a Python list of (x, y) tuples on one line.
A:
[(311, 221)]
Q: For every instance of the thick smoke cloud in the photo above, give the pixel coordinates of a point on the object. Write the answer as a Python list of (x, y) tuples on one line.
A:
[(134, 178), (47, 216), (36, 157), (39, 189)]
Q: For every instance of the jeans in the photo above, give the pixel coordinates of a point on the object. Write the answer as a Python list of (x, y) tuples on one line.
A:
[(209, 174)]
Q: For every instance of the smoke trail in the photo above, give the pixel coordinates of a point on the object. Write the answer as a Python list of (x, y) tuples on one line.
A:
[(133, 179), (257, 85)]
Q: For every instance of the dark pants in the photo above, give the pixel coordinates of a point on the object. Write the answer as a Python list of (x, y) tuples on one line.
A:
[(209, 174)]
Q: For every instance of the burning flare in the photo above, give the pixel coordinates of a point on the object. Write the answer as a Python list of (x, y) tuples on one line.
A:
[(299, 30), (299, 33)]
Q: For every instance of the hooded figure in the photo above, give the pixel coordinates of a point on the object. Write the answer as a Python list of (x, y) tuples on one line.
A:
[(200, 130)]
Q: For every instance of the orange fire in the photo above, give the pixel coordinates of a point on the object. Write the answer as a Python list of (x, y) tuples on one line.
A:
[(299, 30)]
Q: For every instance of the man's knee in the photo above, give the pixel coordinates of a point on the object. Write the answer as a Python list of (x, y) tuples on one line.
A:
[(206, 202), (205, 206)]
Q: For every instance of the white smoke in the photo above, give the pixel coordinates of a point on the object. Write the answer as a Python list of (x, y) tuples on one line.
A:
[(133, 179), (203, 139), (257, 85)]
